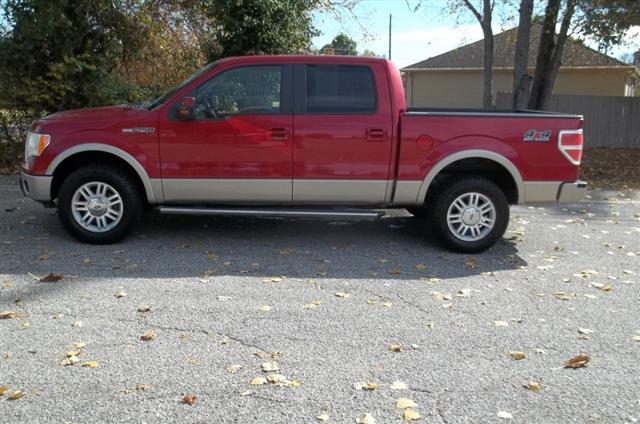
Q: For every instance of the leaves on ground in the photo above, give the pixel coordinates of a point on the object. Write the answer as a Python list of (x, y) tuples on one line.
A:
[(398, 385), (51, 278), (144, 308), (504, 415), (120, 293), (90, 364), (258, 381), (12, 314), (365, 419), (264, 308), (270, 366), (323, 417), (517, 355), (410, 415), (190, 399), (577, 361), (404, 403), (148, 336), (3, 390), (17, 394), (534, 386), (342, 294)]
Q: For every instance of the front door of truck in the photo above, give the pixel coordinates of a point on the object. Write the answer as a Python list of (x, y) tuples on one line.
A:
[(237, 148), (343, 134)]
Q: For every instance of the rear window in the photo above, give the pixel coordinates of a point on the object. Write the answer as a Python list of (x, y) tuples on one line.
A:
[(340, 89)]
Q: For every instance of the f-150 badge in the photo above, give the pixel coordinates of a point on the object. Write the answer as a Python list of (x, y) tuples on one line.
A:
[(139, 130), (538, 136)]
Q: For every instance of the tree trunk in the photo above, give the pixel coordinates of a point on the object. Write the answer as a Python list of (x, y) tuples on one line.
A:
[(545, 53), (556, 59), (521, 77), (485, 23)]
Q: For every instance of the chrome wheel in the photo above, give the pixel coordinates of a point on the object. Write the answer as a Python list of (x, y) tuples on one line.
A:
[(97, 206), (471, 216)]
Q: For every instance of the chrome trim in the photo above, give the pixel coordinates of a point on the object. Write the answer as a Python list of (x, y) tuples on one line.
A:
[(173, 210)]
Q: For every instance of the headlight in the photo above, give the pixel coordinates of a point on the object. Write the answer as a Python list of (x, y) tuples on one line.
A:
[(35, 145)]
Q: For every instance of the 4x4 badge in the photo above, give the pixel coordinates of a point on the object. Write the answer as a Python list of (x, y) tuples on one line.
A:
[(535, 135)]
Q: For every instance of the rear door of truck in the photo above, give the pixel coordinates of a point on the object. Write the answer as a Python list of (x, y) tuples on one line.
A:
[(342, 133)]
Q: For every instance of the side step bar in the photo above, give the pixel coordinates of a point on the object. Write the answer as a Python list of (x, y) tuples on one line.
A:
[(299, 213)]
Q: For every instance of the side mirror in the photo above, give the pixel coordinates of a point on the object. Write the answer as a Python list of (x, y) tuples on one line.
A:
[(186, 109)]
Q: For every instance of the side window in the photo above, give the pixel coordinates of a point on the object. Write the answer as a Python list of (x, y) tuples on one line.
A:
[(340, 89), (244, 90)]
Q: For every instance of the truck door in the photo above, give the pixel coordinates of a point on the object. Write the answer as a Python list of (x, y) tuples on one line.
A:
[(343, 134), (238, 147)]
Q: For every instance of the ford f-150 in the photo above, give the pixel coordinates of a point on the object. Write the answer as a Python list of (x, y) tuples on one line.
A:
[(299, 136)]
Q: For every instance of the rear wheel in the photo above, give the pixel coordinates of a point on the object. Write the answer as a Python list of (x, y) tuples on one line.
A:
[(469, 214), (99, 204)]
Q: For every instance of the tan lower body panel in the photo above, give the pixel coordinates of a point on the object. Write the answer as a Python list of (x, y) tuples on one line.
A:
[(340, 191), (227, 190), (407, 193), (541, 191)]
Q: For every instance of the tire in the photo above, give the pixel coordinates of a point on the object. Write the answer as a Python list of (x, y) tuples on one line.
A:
[(107, 200), (472, 202)]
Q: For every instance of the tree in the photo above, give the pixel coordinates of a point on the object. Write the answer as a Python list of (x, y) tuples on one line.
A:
[(521, 77), (606, 21), (59, 54), (245, 27), (342, 44)]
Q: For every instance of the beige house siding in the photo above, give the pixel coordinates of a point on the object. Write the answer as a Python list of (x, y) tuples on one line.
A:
[(463, 88)]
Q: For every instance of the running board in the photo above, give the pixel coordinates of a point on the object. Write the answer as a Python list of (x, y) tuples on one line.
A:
[(299, 213)]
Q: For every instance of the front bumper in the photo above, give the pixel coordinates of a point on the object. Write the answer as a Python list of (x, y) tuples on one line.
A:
[(572, 192), (37, 187)]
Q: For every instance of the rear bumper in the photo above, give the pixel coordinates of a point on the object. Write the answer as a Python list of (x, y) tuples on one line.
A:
[(37, 187), (572, 192), (553, 191)]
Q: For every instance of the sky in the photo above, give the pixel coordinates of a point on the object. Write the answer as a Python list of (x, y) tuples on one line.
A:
[(416, 36)]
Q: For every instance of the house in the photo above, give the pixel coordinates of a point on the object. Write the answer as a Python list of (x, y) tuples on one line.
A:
[(454, 79)]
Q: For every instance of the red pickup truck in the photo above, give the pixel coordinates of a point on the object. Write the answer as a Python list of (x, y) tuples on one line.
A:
[(299, 136)]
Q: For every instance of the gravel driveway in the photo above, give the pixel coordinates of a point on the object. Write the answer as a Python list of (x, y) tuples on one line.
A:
[(329, 320)]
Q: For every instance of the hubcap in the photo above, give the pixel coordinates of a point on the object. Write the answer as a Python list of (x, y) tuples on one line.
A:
[(471, 216), (97, 206)]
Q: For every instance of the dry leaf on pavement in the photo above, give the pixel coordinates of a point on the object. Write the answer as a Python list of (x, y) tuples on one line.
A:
[(90, 364), (322, 417), (410, 415), (257, 381), (120, 293), (189, 399), (517, 355), (264, 308), (365, 419), (396, 348), (504, 415), (148, 336), (3, 390), (398, 385), (12, 315), (16, 395), (51, 278), (577, 362), (404, 403), (270, 366), (534, 386)]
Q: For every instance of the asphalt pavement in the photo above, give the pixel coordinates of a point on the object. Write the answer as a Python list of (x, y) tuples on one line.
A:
[(330, 319)]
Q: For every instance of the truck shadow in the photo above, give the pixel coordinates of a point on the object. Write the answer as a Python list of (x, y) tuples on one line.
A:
[(395, 248)]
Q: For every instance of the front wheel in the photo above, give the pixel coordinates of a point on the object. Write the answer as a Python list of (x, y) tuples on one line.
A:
[(470, 214), (99, 204)]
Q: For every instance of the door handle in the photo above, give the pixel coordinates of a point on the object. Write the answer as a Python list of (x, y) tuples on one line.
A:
[(279, 133), (376, 134)]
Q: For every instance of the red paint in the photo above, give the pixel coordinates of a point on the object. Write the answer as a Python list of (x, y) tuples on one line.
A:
[(382, 145)]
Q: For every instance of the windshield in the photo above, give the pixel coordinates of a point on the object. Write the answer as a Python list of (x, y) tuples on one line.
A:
[(166, 96)]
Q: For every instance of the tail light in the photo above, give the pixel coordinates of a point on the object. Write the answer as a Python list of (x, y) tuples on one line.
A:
[(570, 144)]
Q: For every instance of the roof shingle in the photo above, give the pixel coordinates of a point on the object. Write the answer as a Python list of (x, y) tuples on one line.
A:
[(575, 54)]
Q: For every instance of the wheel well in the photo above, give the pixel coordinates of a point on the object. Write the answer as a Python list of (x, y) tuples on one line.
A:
[(481, 167), (82, 159)]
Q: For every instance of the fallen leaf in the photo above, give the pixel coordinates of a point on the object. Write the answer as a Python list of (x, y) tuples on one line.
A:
[(72, 353), (471, 263), (517, 355), (421, 267), (3, 390), (257, 381), (264, 308), (501, 323), (232, 369), (585, 331), (148, 336), (577, 362), (276, 378), (120, 293), (464, 293), (396, 348), (410, 415), (17, 394), (144, 308), (51, 278), (440, 296), (44, 257), (504, 415), (636, 338), (79, 345), (370, 387), (398, 385), (365, 419), (87, 261), (342, 294), (270, 366), (534, 386), (224, 298), (404, 403), (322, 417), (189, 399), (71, 360), (12, 315), (90, 364)]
